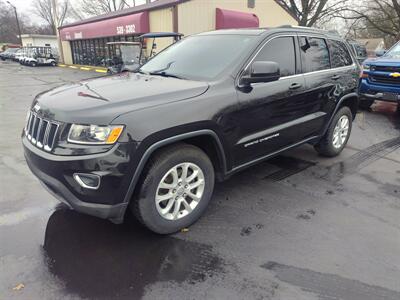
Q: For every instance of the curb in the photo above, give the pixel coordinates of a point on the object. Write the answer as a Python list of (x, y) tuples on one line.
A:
[(84, 68)]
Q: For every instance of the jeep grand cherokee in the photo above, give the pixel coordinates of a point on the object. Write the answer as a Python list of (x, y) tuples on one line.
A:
[(153, 142)]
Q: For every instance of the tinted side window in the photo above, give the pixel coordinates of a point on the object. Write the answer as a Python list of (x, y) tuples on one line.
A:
[(339, 54), (314, 54), (280, 50)]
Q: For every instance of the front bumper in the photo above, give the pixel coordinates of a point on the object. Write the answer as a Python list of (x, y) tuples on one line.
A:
[(375, 91), (55, 172)]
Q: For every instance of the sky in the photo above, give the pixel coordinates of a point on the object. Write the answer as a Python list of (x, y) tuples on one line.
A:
[(24, 6)]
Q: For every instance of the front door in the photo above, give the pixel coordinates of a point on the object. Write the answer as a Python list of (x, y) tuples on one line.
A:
[(271, 114)]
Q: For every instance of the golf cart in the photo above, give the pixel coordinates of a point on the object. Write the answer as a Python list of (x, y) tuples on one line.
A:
[(20, 53), (27, 55), (156, 35), (128, 57), (41, 56)]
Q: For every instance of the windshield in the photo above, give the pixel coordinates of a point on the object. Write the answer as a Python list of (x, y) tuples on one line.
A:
[(130, 54), (201, 57), (394, 52)]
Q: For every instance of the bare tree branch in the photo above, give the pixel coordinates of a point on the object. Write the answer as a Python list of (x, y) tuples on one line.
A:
[(44, 9), (381, 15), (311, 12), (98, 7)]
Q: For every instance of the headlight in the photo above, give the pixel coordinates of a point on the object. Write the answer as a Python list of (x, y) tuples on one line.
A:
[(93, 134), (366, 67), (28, 114)]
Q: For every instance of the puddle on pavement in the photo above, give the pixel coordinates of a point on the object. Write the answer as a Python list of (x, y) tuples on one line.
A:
[(97, 259), (329, 286), (285, 166), (357, 161), (288, 166)]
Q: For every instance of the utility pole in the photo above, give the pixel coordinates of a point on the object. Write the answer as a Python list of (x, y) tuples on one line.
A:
[(55, 19), (16, 18)]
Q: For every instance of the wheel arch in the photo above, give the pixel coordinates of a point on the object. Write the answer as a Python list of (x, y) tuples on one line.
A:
[(349, 100), (206, 139)]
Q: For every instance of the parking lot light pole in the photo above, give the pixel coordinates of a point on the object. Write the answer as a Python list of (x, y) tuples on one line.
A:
[(16, 17)]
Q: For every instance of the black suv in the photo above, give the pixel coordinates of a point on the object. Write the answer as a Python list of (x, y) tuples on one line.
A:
[(208, 106)]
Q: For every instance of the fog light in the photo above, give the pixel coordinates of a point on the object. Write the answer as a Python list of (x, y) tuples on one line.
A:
[(88, 181)]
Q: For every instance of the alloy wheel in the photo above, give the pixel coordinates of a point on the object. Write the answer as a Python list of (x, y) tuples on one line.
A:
[(340, 132), (180, 191)]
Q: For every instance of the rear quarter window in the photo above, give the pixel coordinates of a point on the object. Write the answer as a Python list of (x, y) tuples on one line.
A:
[(314, 54), (340, 55)]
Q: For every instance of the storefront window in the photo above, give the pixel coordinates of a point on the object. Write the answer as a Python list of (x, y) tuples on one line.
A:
[(96, 52)]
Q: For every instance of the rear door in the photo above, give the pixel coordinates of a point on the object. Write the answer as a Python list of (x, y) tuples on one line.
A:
[(320, 82), (345, 71), (330, 73)]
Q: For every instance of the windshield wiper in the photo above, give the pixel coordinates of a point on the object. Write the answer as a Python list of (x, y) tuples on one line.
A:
[(165, 74), (141, 72)]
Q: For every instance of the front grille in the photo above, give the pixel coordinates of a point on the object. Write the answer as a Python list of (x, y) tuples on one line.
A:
[(385, 79), (41, 132), (385, 68)]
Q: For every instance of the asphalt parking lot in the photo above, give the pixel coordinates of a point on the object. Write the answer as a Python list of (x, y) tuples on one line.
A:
[(296, 227)]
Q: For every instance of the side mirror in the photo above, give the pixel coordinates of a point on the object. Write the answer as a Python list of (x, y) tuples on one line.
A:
[(380, 53), (262, 71)]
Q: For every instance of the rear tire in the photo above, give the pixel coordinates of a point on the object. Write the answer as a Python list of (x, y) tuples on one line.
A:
[(181, 174), (337, 135), (365, 104)]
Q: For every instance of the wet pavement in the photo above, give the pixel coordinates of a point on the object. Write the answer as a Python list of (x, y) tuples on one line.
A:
[(296, 227)]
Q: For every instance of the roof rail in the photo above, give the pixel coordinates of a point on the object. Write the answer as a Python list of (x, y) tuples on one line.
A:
[(309, 28)]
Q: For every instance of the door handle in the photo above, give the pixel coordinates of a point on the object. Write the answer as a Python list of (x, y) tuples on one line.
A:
[(335, 77), (295, 86)]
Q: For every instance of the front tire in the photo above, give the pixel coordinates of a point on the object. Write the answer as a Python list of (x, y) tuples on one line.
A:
[(337, 135), (175, 189)]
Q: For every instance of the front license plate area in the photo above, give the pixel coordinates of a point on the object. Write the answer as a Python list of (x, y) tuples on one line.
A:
[(391, 96)]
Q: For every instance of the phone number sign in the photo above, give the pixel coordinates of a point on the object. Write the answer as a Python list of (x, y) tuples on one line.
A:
[(127, 29)]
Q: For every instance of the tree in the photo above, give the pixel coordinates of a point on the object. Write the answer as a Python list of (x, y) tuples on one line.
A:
[(8, 27), (99, 7), (44, 9), (380, 18), (312, 12)]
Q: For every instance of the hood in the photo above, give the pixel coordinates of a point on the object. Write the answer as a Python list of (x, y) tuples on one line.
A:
[(100, 100), (383, 61)]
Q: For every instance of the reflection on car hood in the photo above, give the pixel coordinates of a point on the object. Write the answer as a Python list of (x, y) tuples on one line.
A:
[(103, 99), (383, 61)]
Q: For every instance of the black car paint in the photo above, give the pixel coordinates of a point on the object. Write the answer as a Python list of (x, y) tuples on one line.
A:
[(157, 111)]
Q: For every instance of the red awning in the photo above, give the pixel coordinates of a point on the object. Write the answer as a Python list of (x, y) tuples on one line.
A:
[(125, 25), (226, 19)]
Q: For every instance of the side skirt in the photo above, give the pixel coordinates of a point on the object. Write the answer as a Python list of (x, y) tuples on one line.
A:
[(270, 155)]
